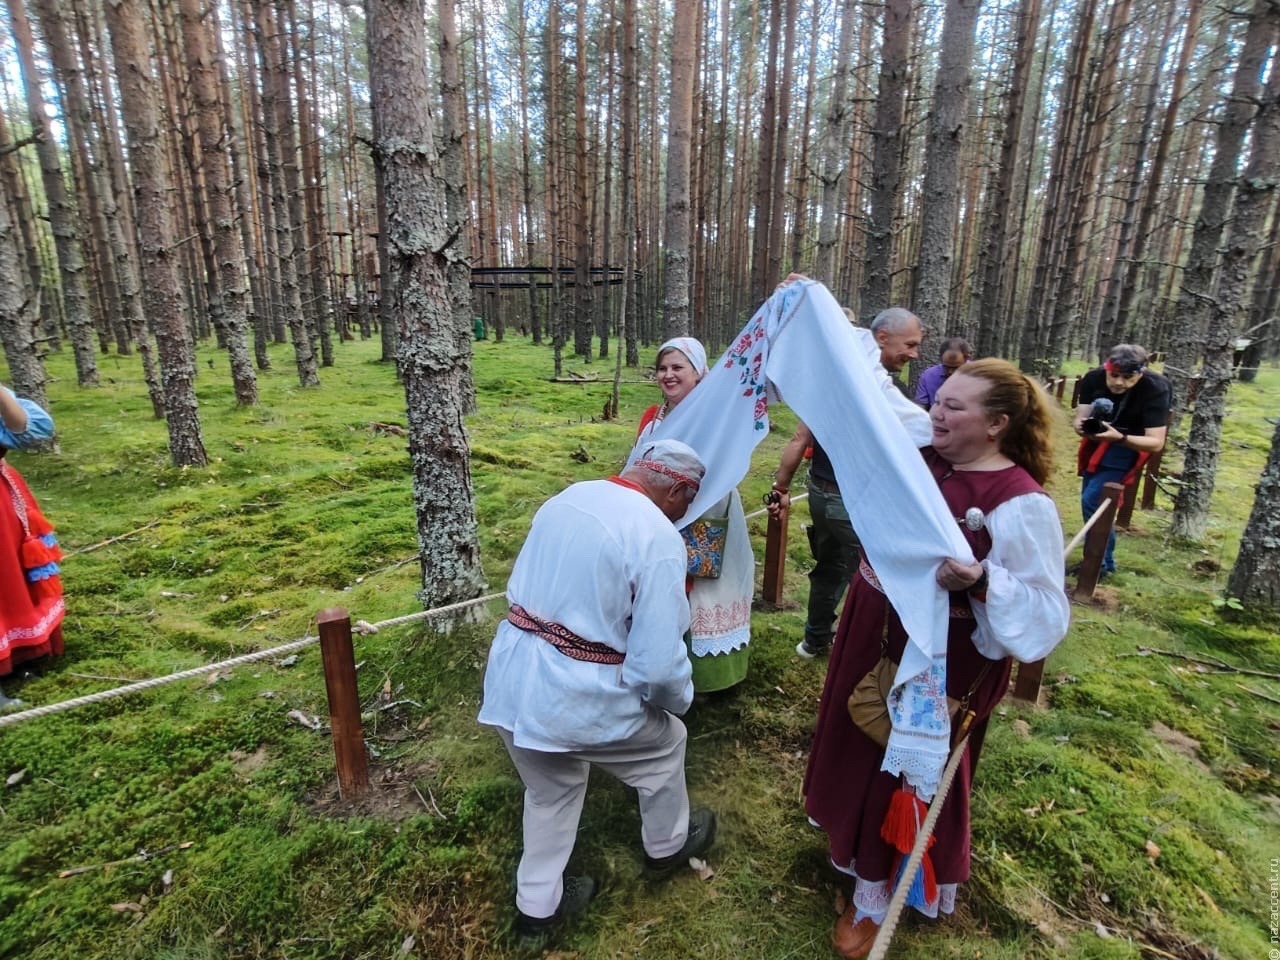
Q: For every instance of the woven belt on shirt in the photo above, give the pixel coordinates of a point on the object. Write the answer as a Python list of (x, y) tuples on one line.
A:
[(957, 611), (563, 639), (826, 486)]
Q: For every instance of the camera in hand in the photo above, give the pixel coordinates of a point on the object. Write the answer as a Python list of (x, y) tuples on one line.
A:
[(1099, 417)]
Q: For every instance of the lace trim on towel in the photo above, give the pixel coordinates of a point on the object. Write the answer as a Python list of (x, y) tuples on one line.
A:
[(720, 628)]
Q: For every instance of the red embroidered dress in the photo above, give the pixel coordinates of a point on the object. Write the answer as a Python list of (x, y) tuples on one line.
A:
[(31, 607)]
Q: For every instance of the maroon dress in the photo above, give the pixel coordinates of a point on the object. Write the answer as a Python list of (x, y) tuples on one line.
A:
[(846, 793)]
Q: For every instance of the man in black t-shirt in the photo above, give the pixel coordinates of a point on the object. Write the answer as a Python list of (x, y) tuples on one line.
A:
[(895, 339), (1123, 413)]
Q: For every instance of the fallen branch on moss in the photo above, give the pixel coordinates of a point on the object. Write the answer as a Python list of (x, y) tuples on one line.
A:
[(1258, 693), (111, 540), (140, 856), (1220, 665)]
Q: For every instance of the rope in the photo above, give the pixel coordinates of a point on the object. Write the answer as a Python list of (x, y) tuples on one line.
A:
[(365, 628), (883, 937), (1086, 528), (9, 719)]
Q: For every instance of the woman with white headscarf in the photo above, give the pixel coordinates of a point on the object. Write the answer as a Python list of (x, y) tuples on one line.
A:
[(720, 607)]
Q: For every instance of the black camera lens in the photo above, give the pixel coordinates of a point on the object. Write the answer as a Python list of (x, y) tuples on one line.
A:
[(1093, 426)]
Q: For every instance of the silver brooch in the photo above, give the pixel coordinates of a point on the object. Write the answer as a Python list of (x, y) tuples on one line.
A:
[(974, 519)]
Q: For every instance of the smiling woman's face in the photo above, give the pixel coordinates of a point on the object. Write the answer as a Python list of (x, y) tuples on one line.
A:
[(962, 427), (676, 376)]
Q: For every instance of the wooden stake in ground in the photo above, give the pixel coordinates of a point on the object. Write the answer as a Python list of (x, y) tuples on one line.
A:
[(344, 701)]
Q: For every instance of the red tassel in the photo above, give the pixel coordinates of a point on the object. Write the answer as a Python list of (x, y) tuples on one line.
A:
[(35, 554), (930, 881), (906, 813), (50, 588), (36, 522)]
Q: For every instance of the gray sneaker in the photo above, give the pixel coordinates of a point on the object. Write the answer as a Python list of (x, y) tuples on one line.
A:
[(811, 651)]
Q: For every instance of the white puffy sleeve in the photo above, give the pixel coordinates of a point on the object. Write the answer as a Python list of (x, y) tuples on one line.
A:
[(1026, 611)]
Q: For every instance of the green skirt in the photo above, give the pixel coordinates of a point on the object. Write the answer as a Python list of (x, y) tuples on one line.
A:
[(720, 671)]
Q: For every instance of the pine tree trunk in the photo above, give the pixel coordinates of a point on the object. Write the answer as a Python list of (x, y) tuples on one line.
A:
[(214, 140), (679, 136), (89, 169), (1129, 242), (833, 149), (582, 291), (26, 370), (258, 168), (1196, 298), (63, 216), (1257, 187), (307, 205), (554, 167), (800, 171), (1129, 305), (777, 227), (605, 134), (1033, 353), (281, 162), (931, 298), (162, 291), (988, 292), (1255, 578), (17, 194), (257, 312), (117, 205), (453, 167), (762, 235), (886, 164), (526, 177), (630, 328), (419, 251)]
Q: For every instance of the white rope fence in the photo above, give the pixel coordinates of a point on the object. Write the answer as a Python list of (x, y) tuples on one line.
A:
[(361, 626)]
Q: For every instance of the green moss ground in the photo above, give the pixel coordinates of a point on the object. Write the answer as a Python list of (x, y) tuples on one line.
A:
[(306, 505)]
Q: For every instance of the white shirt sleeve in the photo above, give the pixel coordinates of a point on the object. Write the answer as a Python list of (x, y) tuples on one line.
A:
[(910, 414), (1026, 612), (657, 665)]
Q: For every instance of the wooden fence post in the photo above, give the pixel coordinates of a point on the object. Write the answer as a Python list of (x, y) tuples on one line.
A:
[(775, 560), (1149, 485), (1075, 395), (1152, 472), (1026, 686), (344, 701), (1124, 516), (1095, 545), (1061, 386)]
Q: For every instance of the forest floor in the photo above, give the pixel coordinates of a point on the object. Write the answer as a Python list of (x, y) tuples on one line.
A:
[(1135, 813)]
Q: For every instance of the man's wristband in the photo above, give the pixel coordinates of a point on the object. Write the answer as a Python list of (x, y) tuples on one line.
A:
[(781, 489)]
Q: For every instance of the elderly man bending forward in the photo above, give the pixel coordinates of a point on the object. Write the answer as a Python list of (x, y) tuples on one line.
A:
[(590, 667)]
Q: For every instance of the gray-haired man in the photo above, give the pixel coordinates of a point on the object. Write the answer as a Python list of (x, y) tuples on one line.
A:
[(590, 668)]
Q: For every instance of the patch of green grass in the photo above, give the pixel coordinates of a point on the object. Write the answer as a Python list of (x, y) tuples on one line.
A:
[(307, 505)]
